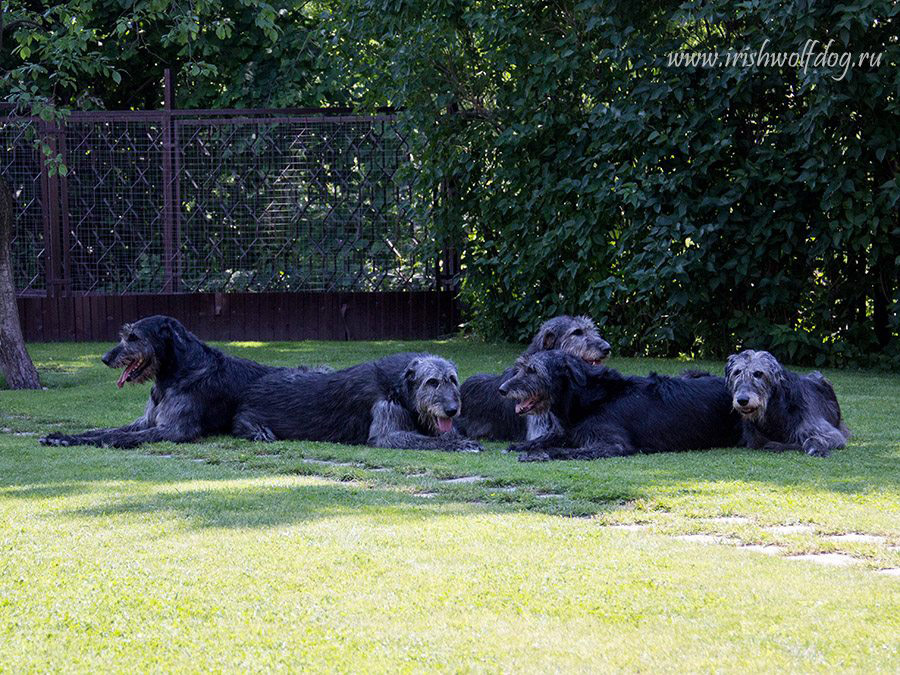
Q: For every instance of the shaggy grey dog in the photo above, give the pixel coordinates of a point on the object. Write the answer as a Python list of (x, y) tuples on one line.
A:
[(399, 401), (488, 415), (195, 392), (602, 413), (782, 410)]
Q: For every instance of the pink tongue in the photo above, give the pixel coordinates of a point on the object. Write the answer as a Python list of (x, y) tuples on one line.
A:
[(124, 376), (444, 424)]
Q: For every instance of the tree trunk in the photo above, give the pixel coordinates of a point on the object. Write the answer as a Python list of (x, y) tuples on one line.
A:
[(15, 363)]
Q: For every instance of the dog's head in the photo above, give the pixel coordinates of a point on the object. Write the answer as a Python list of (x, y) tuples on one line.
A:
[(576, 335), (751, 377), (146, 347), (432, 388), (540, 379)]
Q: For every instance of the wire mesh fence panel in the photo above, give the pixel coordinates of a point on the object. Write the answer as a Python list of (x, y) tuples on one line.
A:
[(163, 201), (296, 204), (113, 236), (20, 165)]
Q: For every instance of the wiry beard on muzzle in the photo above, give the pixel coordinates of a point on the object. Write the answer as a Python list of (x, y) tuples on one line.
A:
[(139, 367), (529, 402), (586, 348), (434, 417), (757, 414)]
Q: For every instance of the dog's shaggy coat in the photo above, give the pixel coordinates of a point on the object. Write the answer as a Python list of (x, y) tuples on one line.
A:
[(490, 416), (195, 392), (782, 410), (399, 401), (605, 414)]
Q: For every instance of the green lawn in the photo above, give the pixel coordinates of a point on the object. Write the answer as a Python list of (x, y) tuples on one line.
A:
[(231, 555)]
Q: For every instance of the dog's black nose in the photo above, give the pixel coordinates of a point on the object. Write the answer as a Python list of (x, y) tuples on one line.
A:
[(503, 389), (107, 359), (604, 351), (743, 401), (451, 411)]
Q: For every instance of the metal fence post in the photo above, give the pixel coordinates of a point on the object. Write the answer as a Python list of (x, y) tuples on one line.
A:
[(170, 206)]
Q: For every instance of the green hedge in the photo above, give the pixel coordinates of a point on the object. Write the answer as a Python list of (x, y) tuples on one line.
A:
[(689, 209)]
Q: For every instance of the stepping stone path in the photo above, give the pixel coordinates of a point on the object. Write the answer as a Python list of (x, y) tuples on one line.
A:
[(463, 479), (552, 495), (508, 488), (266, 455), (329, 462), (426, 495), (706, 539), (729, 520), (790, 529), (856, 536), (763, 548), (890, 572), (631, 527), (835, 559)]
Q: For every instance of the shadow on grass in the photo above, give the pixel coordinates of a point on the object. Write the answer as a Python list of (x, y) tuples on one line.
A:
[(224, 506)]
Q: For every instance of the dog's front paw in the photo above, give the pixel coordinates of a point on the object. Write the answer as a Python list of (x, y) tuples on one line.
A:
[(467, 446), (535, 456), (816, 450), (527, 446), (56, 439)]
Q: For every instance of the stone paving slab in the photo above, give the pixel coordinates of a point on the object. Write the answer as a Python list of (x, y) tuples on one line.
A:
[(833, 559)]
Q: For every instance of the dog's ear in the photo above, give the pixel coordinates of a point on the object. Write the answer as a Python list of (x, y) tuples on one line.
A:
[(409, 375), (575, 368), (729, 365), (173, 329), (548, 340), (777, 370)]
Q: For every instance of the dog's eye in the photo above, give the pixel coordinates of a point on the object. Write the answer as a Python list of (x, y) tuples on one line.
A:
[(431, 382), (577, 332), (758, 374), (736, 372), (454, 381), (530, 370), (132, 338)]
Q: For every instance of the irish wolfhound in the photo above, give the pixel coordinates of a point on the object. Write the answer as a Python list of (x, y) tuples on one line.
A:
[(195, 392), (399, 401), (781, 410), (604, 414), (490, 416)]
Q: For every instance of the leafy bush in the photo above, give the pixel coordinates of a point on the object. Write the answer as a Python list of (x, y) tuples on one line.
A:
[(688, 209)]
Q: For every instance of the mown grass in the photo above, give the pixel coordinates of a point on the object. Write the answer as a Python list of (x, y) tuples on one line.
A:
[(309, 555)]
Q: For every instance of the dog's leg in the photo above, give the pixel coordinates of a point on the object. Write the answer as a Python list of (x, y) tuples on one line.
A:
[(84, 438), (541, 425), (392, 427), (554, 439), (775, 446), (57, 438), (244, 427), (183, 429), (820, 438), (595, 443)]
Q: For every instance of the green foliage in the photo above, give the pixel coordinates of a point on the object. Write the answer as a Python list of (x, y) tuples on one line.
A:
[(89, 54), (689, 209)]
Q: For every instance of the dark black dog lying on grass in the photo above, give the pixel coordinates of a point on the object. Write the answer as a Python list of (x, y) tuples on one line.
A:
[(399, 401), (195, 392), (488, 415), (782, 410), (605, 414)]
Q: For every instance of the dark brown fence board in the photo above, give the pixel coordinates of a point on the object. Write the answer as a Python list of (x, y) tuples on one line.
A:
[(393, 315)]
